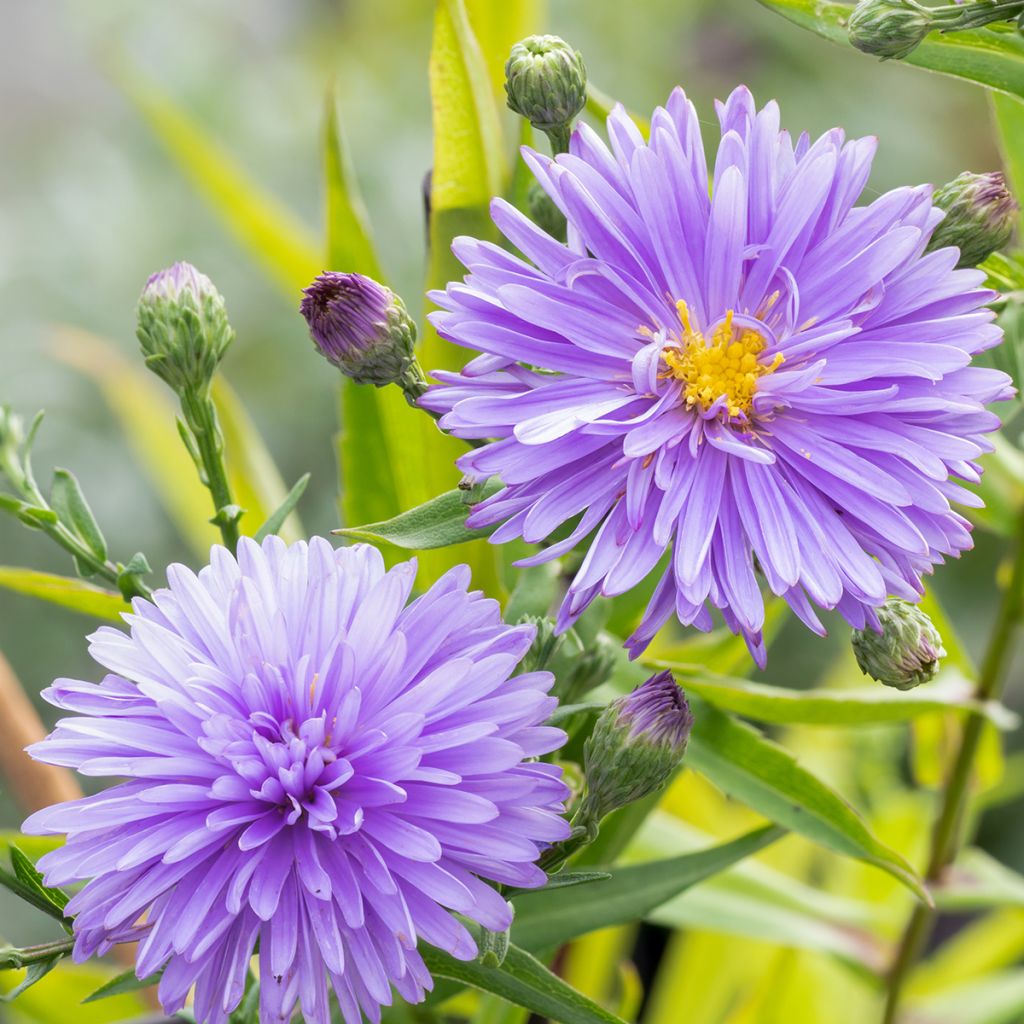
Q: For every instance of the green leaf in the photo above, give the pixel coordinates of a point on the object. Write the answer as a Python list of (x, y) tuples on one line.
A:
[(864, 705), (69, 503), (349, 238), (563, 880), (28, 875), (548, 919), (256, 483), (77, 595), (766, 777), (989, 57), (1009, 116), (524, 981), (126, 982), (497, 27), (267, 230), (281, 513), (34, 973), (438, 523)]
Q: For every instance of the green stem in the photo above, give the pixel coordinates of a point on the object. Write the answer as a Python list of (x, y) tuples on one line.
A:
[(201, 419), (946, 834), (559, 137), (16, 959)]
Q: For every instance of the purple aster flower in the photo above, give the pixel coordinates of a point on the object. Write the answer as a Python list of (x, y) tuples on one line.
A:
[(312, 764), (759, 375)]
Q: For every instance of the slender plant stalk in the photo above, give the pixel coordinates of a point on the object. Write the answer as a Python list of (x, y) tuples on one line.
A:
[(201, 419), (946, 834)]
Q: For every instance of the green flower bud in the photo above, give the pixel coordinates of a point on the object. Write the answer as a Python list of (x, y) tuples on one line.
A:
[(546, 82), (361, 327), (980, 215), (637, 743), (544, 645), (890, 29), (905, 653), (590, 669), (183, 328)]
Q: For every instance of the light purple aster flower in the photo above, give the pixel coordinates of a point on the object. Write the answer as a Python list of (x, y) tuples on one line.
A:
[(760, 374), (312, 764)]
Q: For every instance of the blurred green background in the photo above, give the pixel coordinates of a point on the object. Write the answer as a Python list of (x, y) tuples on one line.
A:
[(90, 205)]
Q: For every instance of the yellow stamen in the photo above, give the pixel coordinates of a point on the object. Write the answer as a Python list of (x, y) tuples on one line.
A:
[(726, 367)]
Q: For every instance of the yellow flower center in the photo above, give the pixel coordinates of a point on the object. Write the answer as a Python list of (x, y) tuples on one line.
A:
[(725, 366)]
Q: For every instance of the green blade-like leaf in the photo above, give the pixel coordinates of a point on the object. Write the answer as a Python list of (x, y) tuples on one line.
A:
[(256, 483), (69, 503), (524, 981), (497, 27), (147, 415), (350, 245), (125, 982), (548, 919), (65, 591), (747, 766), (270, 232), (34, 973), (996, 999), (439, 523), (987, 56), (865, 705), (1009, 116), (29, 875), (281, 513)]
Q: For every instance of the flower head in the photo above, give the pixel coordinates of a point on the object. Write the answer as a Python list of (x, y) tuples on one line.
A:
[(904, 651), (980, 215), (546, 82), (183, 328), (311, 763), (890, 29), (637, 743), (360, 326), (723, 378)]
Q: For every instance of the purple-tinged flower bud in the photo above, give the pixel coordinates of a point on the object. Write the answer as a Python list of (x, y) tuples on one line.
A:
[(890, 29), (546, 82), (360, 326), (183, 328), (637, 743), (905, 653), (980, 215)]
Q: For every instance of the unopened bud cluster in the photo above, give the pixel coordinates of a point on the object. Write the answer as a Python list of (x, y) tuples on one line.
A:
[(183, 328), (907, 650), (980, 216), (637, 744)]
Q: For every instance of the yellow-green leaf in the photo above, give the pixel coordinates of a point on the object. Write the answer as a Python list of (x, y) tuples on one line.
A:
[(66, 591), (269, 231), (986, 56)]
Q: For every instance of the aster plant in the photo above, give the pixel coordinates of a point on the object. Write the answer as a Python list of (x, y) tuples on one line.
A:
[(400, 774)]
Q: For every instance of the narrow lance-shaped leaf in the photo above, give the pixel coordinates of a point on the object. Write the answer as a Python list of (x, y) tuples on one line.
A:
[(548, 919), (986, 56), (277, 518), (522, 980), (69, 503), (74, 594), (864, 705), (438, 523), (747, 766)]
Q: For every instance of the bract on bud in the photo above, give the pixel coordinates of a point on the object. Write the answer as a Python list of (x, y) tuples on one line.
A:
[(905, 653)]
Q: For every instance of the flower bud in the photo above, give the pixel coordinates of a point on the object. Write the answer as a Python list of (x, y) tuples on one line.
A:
[(544, 645), (183, 328), (546, 82), (980, 215), (890, 29), (637, 743), (360, 326), (905, 653), (590, 669)]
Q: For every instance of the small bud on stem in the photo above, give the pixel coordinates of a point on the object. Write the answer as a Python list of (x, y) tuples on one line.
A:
[(980, 215), (905, 653), (546, 82)]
